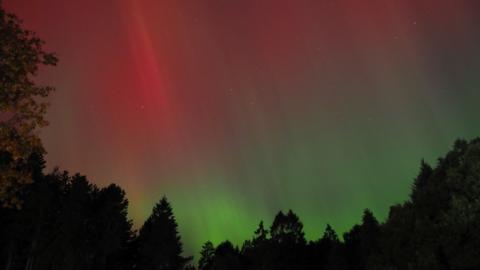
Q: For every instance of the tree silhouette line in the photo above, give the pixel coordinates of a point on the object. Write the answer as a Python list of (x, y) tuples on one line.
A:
[(60, 221), (436, 228), (66, 222)]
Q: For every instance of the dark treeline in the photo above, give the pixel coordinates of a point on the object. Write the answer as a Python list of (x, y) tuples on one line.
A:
[(66, 222)]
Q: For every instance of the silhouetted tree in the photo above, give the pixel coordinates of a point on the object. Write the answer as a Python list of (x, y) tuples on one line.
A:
[(287, 242), (256, 251), (457, 241), (21, 107), (287, 228), (226, 257), (65, 223), (207, 255), (333, 250), (28, 231), (361, 242), (421, 182), (159, 245), (111, 229), (261, 235)]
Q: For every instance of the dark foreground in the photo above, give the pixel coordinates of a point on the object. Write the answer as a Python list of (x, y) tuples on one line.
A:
[(65, 222)]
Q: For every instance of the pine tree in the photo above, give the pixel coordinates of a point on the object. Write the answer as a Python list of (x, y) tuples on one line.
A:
[(207, 256), (361, 242), (261, 235), (287, 228), (421, 182), (226, 257), (159, 245), (111, 229)]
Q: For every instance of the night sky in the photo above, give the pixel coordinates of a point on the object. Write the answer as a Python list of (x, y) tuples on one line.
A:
[(235, 109)]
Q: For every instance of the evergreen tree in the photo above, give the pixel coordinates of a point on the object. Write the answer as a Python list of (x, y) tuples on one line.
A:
[(256, 251), (111, 229), (287, 228), (421, 182), (75, 243), (261, 235), (287, 243), (159, 245), (361, 242), (226, 257), (207, 255), (333, 250)]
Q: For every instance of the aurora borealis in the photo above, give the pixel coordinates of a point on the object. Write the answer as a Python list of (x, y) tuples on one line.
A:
[(237, 109)]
